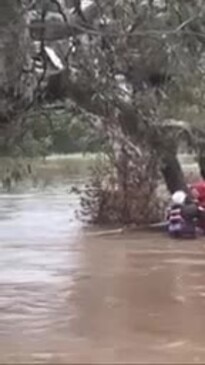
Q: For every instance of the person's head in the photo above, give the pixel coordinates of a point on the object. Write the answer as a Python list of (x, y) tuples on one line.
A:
[(179, 197), (194, 193)]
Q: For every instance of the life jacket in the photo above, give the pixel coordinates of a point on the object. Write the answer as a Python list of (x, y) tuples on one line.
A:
[(175, 218), (182, 220), (175, 214)]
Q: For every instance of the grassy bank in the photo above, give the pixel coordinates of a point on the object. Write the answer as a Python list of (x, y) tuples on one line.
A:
[(65, 166), (54, 168)]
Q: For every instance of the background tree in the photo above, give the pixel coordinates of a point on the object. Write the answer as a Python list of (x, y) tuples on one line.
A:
[(128, 64), (133, 64)]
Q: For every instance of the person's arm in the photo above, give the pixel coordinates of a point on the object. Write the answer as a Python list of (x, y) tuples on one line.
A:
[(167, 213)]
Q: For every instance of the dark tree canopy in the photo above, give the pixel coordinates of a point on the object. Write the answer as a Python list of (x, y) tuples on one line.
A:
[(131, 63)]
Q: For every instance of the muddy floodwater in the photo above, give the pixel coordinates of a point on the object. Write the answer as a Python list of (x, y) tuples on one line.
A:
[(69, 294)]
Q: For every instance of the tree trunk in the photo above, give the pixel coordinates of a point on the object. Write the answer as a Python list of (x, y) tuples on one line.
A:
[(201, 159), (201, 162), (15, 85), (10, 52), (173, 174), (59, 85)]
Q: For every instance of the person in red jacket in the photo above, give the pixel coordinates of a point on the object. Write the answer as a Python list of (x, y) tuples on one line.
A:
[(198, 193)]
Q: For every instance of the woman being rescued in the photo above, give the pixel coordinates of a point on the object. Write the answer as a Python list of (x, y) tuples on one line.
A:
[(184, 215)]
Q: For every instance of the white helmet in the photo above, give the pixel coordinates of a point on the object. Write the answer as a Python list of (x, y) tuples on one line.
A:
[(179, 197)]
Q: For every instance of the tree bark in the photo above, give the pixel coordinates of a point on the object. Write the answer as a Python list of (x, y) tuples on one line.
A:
[(10, 52), (201, 159), (173, 174), (14, 51)]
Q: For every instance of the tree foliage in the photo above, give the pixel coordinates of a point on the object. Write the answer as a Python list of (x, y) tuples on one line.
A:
[(125, 193), (130, 64)]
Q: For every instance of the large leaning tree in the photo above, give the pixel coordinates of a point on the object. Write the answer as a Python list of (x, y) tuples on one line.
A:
[(130, 64)]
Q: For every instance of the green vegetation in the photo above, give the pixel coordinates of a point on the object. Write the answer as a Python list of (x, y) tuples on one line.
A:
[(20, 173), (112, 76), (54, 133)]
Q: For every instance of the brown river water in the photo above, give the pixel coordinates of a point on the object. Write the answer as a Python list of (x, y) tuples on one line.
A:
[(69, 294)]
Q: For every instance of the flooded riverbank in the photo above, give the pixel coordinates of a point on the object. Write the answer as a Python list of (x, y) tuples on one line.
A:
[(70, 295)]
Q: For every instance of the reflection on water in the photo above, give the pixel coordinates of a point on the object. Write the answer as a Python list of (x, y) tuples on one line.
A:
[(68, 295)]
